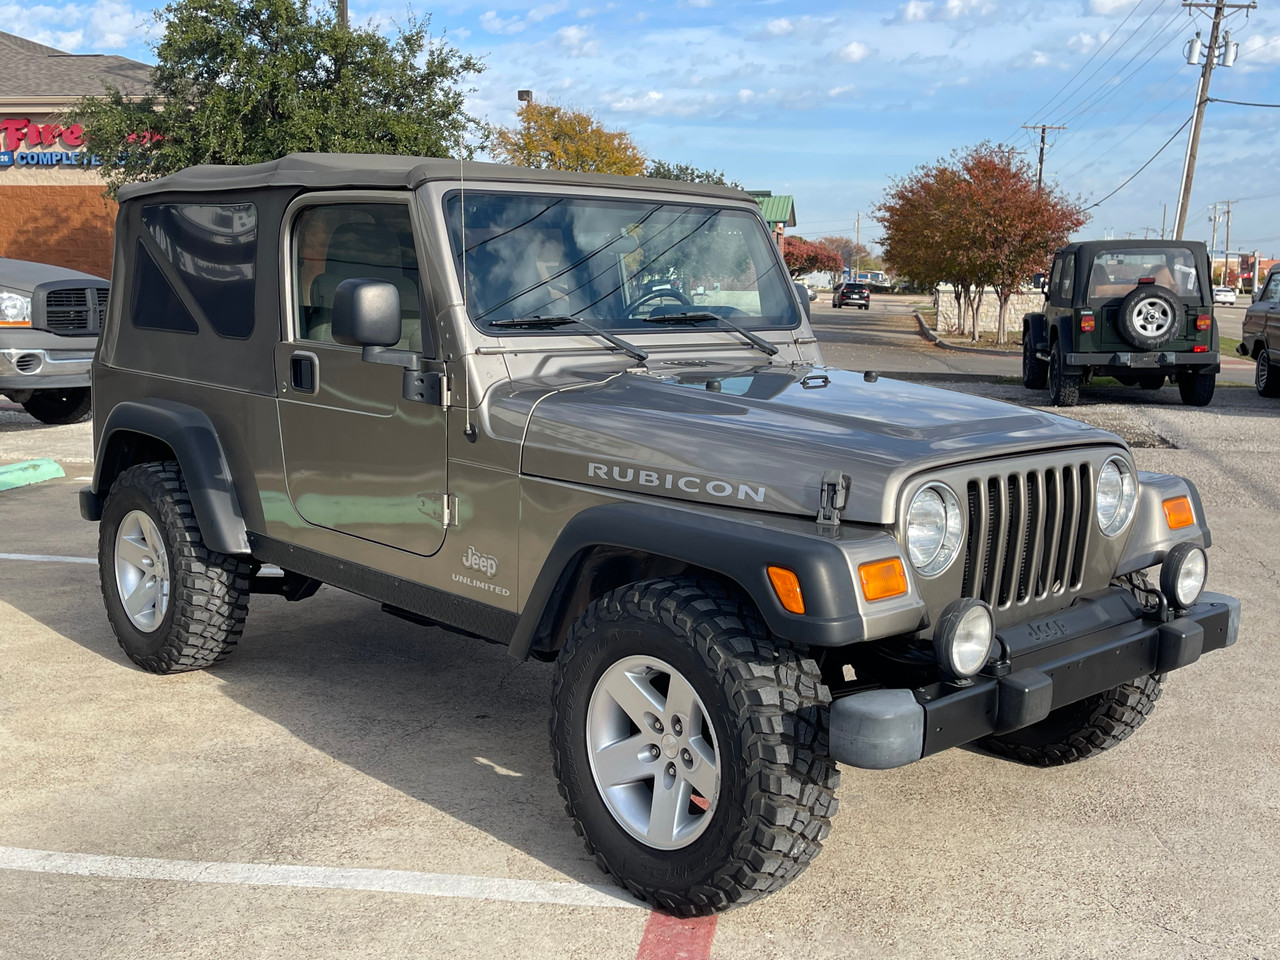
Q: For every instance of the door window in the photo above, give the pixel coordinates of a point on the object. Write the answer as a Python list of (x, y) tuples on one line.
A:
[(1272, 292), (342, 241)]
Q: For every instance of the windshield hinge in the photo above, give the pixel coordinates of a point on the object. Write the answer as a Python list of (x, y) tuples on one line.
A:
[(441, 507), (831, 499)]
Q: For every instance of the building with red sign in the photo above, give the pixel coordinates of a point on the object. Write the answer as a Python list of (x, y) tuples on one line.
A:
[(56, 210)]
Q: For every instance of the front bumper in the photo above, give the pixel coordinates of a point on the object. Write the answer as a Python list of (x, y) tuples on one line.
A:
[(1047, 663), (40, 369)]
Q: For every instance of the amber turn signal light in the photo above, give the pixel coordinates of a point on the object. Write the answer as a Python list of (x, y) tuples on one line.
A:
[(1178, 513), (1203, 322), (787, 586), (882, 579)]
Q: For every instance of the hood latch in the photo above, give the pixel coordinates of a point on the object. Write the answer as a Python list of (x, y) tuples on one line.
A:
[(831, 499)]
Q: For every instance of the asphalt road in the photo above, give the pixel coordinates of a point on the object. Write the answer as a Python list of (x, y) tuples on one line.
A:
[(349, 785)]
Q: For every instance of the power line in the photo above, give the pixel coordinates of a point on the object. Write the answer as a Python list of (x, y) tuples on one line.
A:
[(1144, 166), (1111, 36), (1240, 103)]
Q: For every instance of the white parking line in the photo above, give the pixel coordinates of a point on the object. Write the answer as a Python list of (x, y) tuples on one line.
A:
[(333, 878), (47, 558)]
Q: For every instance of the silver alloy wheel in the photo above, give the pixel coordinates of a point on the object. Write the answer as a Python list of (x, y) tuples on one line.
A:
[(1152, 317), (653, 754), (1261, 370), (142, 570)]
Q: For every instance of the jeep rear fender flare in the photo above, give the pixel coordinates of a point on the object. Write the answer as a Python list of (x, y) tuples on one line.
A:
[(190, 434), (1036, 326), (739, 551)]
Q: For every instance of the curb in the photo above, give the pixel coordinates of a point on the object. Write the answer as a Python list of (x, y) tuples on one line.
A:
[(28, 472), (939, 342)]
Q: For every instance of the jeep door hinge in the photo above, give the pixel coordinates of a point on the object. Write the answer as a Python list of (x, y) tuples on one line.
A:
[(441, 507), (831, 499)]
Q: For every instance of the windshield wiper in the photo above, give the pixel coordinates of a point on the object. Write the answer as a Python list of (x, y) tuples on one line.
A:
[(697, 316), (561, 321)]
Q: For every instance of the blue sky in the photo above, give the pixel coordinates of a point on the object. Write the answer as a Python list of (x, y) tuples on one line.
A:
[(828, 102)]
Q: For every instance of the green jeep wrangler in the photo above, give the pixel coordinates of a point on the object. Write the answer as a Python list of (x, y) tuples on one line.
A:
[(586, 417), (1137, 310)]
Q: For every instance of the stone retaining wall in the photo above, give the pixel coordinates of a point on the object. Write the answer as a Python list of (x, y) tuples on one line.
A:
[(1019, 303)]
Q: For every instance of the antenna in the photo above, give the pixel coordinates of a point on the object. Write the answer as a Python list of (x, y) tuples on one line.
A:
[(468, 431)]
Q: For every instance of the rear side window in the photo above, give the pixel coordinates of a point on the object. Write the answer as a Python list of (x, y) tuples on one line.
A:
[(213, 249), (154, 303), (1068, 276)]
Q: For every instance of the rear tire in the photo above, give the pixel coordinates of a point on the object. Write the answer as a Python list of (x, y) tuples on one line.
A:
[(1266, 377), (173, 603), (1081, 730), (1196, 389), (72, 405), (1064, 387), (685, 838)]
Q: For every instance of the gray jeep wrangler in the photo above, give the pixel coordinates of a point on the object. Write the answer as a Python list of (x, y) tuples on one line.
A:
[(586, 417)]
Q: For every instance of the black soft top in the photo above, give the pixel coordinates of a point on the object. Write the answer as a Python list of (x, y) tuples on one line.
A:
[(1196, 247), (366, 170)]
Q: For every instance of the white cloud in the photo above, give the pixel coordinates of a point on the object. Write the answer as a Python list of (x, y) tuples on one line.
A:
[(496, 24), (915, 11), (1258, 51), (1039, 58), (644, 103), (105, 24), (538, 14), (746, 95), (841, 91), (701, 3), (577, 41), (953, 9), (1105, 8), (780, 27), (854, 51)]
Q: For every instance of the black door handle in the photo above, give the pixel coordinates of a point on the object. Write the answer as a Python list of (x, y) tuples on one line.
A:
[(302, 368)]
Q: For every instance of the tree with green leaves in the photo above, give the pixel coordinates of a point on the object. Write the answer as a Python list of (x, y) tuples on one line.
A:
[(549, 136), (661, 170), (244, 81)]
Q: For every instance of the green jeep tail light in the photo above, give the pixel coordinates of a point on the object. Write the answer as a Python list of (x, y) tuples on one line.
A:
[(1086, 323), (1204, 322)]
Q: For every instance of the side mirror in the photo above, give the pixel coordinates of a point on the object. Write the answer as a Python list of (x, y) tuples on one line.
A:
[(803, 293), (366, 313)]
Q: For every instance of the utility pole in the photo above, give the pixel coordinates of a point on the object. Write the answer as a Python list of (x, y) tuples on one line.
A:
[(1226, 253), (1163, 214), (1213, 52), (1213, 239), (857, 247), (342, 12), (1040, 166)]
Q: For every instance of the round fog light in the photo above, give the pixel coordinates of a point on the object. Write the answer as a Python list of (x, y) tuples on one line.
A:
[(1183, 573), (962, 640)]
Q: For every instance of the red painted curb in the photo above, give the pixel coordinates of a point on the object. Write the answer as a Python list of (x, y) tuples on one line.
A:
[(673, 938)]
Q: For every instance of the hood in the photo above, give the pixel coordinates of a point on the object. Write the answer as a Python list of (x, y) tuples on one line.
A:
[(763, 437), (24, 275)]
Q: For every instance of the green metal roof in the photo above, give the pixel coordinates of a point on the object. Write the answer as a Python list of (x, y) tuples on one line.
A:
[(780, 209)]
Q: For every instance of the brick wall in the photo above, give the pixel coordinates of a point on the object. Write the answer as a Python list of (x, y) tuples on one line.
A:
[(68, 226)]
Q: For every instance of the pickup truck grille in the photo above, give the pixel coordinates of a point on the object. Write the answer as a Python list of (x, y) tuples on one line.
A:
[(1028, 534), (75, 310)]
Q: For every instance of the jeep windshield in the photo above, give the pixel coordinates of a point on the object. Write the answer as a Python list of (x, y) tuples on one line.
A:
[(617, 264), (1115, 272)]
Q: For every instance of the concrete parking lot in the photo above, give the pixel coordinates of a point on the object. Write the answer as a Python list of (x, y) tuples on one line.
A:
[(348, 784)]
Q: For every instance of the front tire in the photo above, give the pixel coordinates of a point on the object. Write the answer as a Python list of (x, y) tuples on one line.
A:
[(58, 407), (173, 604), (1064, 387), (690, 747), (1196, 389), (1035, 372)]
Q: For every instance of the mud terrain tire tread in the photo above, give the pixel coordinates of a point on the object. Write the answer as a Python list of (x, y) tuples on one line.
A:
[(1064, 388), (209, 591), (1196, 389), (1082, 730), (781, 729)]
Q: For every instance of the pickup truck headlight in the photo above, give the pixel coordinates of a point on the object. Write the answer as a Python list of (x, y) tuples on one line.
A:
[(15, 310), (935, 528), (1117, 494)]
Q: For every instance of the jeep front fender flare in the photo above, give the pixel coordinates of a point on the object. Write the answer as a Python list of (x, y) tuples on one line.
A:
[(739, 550), (190, 434)]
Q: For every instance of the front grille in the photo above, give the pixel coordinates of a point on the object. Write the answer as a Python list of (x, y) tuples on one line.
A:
[(75, 310), (1028, 534)]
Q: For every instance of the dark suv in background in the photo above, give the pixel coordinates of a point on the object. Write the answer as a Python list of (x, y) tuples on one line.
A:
[(857, 294)]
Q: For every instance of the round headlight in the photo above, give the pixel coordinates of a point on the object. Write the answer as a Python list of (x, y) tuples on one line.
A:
[(14, 308), (1117, 494), (1183, 573), (962, 640), (935, 528)]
